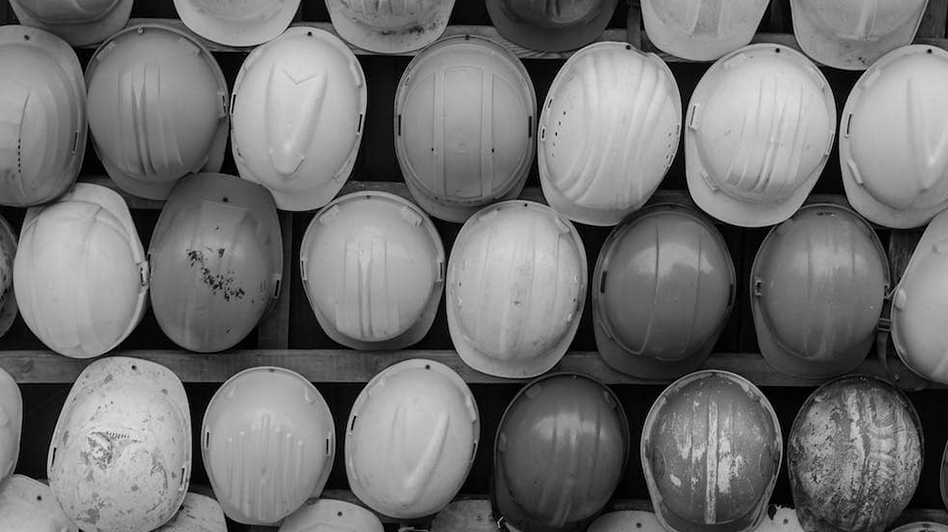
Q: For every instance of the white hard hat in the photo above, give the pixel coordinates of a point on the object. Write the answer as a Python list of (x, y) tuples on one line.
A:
[(297, 112), (609, 131), (27, 505), (216, 261), (268, 443), (853, 34), (390, 26), (758, 134), (78, 22), (157, 107), (464, 125), (42, 116), (11, 426), (80, 273), (701, 30), (893, 140), (516, 288), (198, 513), (237, 22), (919, 300), (372, 265), (120, 456), (411, 439), (331, 515)]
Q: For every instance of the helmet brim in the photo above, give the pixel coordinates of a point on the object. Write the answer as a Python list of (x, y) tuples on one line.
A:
[(548, 40)]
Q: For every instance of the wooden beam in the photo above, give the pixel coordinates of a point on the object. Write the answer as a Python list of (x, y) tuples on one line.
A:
[(348, 366)]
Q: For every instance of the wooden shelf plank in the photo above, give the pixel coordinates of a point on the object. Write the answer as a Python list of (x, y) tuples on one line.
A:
[(399, 188), (477, 509), (347, 366), (483, 31)]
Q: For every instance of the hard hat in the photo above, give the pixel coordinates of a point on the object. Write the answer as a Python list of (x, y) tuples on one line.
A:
[(464, 119), (27, 505), (42, 116), (625, 521), (411, 439), (551, 26), (852, 34), (372, 265), (854, 456), (268, 444), (701, 30), (390, 26), (922, 526), (893, 135), (11, 426), (216, 260), (331, 515), (78, 22), (297, 112), (561, 449), (198, 513), (759, 131), (516, 289), (80, 273), (608, 132), (817, 287), (157, 108), (237, 22), (8, 305), (711, 450), (120, 457), (919, 299), (664, 287)]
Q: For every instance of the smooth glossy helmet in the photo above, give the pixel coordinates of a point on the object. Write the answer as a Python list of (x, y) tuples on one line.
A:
[(120, 457), (157, 108), (852, 34), (609, 131), (42, 116), (759, 131), (80, 273), (711, 450), (237, 22), (516, 289), (216, 260), (919, 338), (893, 140), (268, 443), (297, 112), (854, 456), (78, 22), (701, 30), (390, 26), (664, 287), (464, 125), (329, 515), (817, 288), (411, 439), (27, 505), (11, 427), (551, 25), (198, 513), (561, 449), (372, 265)]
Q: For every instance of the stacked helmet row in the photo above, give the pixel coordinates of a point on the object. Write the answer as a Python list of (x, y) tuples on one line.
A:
[(711, 449), (850, 34)]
